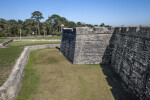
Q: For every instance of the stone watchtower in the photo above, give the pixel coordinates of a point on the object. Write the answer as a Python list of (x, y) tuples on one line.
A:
[(84, 45)]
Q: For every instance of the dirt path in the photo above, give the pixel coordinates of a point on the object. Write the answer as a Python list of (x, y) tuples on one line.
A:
[(60, 80)]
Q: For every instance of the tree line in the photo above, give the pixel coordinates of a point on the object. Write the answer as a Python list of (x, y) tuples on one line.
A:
[(33, 26)]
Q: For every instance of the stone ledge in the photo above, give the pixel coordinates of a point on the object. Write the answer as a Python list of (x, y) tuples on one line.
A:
[(2, 45), (10, 89)]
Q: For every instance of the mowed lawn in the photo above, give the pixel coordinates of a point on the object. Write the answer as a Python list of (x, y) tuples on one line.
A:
[(9, 38), (10, 54), (30, 43), (3, 40), (8, 57), (49, 76), (36, 37)]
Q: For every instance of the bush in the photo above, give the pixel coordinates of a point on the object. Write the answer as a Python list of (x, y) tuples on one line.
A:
[(3, 34), (57, 33)]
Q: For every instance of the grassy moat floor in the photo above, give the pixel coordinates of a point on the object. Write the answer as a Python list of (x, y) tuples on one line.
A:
[(49, 76)]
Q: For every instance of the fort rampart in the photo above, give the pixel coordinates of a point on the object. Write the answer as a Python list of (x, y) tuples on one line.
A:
[(84, 45), (126, 49)]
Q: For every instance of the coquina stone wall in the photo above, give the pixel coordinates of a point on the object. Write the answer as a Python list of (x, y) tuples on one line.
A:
[(2, 45), (9, 90), (130, 58), (84, 45), (127, 51), (68, 43)]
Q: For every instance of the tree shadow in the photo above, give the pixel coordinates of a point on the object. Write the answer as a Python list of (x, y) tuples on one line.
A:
[(118, 90)]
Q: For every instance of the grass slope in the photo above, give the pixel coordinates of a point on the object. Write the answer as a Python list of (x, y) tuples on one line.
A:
[(55, 37), (8, 57), (55, 78)]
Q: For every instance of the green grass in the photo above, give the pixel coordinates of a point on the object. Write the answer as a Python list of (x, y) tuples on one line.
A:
[(9, 55), (30, 81), (8, 38), (55, 37), (7, 60), (29, 43), (49, 76), (3, 40)]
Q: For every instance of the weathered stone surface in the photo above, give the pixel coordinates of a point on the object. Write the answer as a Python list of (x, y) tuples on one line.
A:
[(128, 53), (2, 45), (84, 45), (130, 58), (68, 43)]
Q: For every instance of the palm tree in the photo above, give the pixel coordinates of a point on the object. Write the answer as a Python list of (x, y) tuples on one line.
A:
[(20, 24)]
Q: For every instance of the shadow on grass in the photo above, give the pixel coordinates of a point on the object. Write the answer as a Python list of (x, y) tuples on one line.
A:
[(58, 48), (115, 82)]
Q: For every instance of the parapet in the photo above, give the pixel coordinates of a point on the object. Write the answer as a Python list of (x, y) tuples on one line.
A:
[(88, 30), (143, 30), (68, 30), (140, 30)]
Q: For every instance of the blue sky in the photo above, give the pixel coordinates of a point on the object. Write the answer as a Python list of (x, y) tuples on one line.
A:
[(111, 12)]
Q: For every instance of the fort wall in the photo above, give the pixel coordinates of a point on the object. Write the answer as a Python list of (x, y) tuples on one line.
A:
[(84, 45), (130, 58), (126, 49)]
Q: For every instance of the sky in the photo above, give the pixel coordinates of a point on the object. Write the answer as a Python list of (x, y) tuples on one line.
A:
[(110, 12)]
